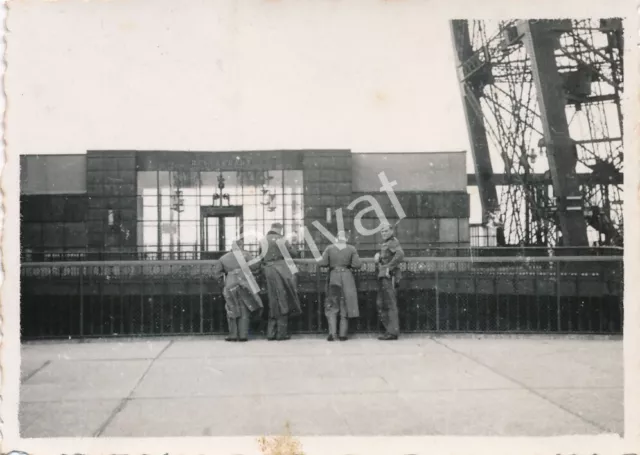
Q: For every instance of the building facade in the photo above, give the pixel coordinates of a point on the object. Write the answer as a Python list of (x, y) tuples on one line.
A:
[(191, 205), (124, 205)]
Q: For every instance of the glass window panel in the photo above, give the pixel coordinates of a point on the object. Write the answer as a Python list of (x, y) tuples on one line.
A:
[(190, 208), (212, 233), (274, 181), (149, 234), (197, 189), (185, 179), (149, 213), (288, 228), (248, 187), (252, 198), (147, 182), (164, 180), (269, 218), (207, 199), (190, 213), (278, 204), (189, 235), (287, 207), (247, 179), (232, 185), (190, 196), (208, 179), (149, 200), (250, 232), (293, 180), (264, 198), (167, 234), (209, 185), (260, 227), (270, 180), (231, 231), (165, 207), (249, 212), (233, 199), (297, 208), (206, 195)]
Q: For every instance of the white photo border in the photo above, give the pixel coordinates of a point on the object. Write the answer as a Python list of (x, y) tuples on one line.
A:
[(604, 444)]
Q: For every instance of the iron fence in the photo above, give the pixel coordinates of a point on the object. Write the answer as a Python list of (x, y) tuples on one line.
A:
[(473, 294), (193, 254)]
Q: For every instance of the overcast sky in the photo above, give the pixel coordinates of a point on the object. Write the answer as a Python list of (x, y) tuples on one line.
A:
[(224, 75), (218, 75)]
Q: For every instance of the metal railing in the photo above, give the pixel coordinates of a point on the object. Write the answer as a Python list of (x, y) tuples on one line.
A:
[(192, 254), (532, 294)]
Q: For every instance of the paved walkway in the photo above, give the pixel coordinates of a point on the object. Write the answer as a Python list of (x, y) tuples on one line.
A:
[(416, 386)]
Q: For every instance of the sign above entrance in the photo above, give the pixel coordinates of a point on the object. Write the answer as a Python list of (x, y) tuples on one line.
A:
[(222, 161)]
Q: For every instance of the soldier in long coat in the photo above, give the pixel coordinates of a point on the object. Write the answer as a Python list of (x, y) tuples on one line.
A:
[(388, 262), (240, 301), (281, 285), (342, 295)]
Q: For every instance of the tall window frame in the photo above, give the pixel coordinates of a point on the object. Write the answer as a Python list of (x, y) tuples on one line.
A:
[(169, 204)]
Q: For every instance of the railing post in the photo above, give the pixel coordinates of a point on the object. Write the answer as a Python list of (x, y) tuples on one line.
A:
[(81, 274), (319, 299), (437, 300), (201, 300), (558, 278), (497, 297), (142, 292), (621, 294)]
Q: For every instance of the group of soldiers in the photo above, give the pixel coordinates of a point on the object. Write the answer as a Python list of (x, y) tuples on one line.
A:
[(341, 303)]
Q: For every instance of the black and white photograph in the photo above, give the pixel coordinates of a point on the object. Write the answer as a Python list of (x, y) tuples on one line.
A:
[(279, 220)]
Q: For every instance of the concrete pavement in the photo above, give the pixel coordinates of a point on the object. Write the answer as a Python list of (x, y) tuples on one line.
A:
[(419, 385)]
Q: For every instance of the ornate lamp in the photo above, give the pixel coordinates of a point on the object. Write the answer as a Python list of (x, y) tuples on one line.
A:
[(268, 199), (221, 196)]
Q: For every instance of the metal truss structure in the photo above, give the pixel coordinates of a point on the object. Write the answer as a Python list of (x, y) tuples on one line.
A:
[(542, 100)]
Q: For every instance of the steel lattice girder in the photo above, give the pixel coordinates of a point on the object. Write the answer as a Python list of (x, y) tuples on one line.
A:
[(489, 78)]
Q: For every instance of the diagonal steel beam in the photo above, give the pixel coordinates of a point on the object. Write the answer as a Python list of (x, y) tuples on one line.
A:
[(475, 120), (540, 39)]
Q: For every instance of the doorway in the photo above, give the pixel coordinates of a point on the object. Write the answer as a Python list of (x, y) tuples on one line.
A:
[(219, 226)]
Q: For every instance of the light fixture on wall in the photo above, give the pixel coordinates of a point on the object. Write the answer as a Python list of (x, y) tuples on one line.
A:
[(180, 179), (220, 196), (177, 202), (328, 215), (268, 198)]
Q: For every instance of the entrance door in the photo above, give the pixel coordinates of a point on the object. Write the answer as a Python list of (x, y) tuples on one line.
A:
[(219, 226)]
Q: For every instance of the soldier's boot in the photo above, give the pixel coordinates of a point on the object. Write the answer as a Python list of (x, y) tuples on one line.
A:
[(344, 328), (271, 329), (393, 329), (332, 321), (243, 328), (283, 324), (233, 330)]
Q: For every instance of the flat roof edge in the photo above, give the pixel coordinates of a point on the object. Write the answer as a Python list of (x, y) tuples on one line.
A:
[(444, 152), (439, 152)]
